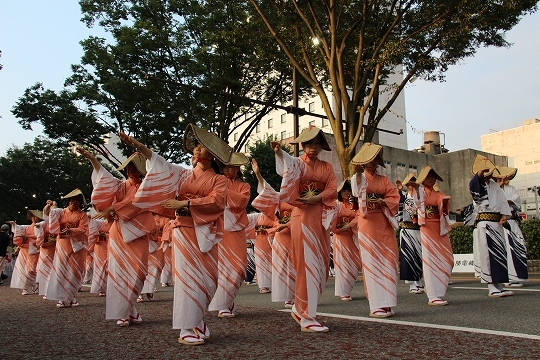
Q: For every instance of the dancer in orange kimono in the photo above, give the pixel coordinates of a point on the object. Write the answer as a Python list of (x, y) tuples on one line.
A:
[(232, 260), (437, 257), (128, 235), (199, 197), (310, 185), (263, 252), (378, 204), (346, 249), (29, 239), (70, 225), (283, 273), (97, 238)]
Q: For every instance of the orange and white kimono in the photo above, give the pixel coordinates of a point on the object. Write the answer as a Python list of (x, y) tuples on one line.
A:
[(46, 260), (166, 241), (263, 250), (347, 260), (310, 232), (195, 232), (376, 238), (70, 253), (155, 262), (128, 242), (283, 273), (25, 269), (437, 256), (98, 236), (232, 251)]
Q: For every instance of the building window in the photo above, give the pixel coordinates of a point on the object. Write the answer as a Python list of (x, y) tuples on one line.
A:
[(400, 165), (387, 163), (270, 123), (246, 148), (413, 167), (258, 128), (235, 136), (283, 118), (312, 123), (325, 122), (283, 135), (311, 106)]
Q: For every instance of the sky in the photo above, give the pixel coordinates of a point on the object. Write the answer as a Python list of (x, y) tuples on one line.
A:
[(496, 89)]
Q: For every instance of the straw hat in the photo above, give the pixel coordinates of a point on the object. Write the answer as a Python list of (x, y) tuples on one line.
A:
[(138, 159), (482, 162), (75, 193), (424, 173), (410, 178), (36, 213), (310, 133), (238, 159), (217, 147), (368, 152), (505, 171)]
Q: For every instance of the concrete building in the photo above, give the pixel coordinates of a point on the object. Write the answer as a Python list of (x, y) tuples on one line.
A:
[(280, 124), (522, 147)]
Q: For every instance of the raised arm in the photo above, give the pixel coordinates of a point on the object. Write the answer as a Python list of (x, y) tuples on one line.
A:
[(95, 163), (131, 141), (276, 146), (257, 172)]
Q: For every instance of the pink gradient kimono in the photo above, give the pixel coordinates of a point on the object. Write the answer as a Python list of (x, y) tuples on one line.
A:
[(195, 232), (309, 225), (165, 239), (263, 251), (347, 260), (128, 242), (437, 256), (25, 269), (70, 253), (98, 237), (376, 238), (46, 261), (232, 251), (283, 273)]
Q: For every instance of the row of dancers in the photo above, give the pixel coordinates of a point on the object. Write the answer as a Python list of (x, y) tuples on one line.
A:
[(200, 215)]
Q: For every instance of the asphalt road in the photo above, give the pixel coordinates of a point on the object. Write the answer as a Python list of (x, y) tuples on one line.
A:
[(471, 326)]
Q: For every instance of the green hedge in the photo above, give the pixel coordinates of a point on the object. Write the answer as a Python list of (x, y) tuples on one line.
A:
[(462, 240)]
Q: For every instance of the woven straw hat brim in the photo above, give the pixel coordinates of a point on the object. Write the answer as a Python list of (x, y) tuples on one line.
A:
[(238, 159), (424, 173), (410, 178), (37, 213), (505, 171), (311, 133), (75, 193), (138, 159), (482, 162), (368, 152), (216, 146)]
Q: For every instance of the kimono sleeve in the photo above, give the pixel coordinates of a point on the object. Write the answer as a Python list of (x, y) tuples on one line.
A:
[(290, 169), (267, 201), (235, 209), (18, 232), (161, 183), (105, 189)]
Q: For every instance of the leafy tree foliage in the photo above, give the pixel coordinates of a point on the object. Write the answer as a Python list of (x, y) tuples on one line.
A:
[(145, 77), (349, 49), (35, 173), (263, 153)]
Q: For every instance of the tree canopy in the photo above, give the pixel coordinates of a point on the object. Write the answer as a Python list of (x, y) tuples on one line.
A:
[(32, 174), (347, 50), (163, 64)]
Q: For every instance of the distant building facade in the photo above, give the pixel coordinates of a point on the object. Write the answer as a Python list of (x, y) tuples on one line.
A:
[(522, 147)]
